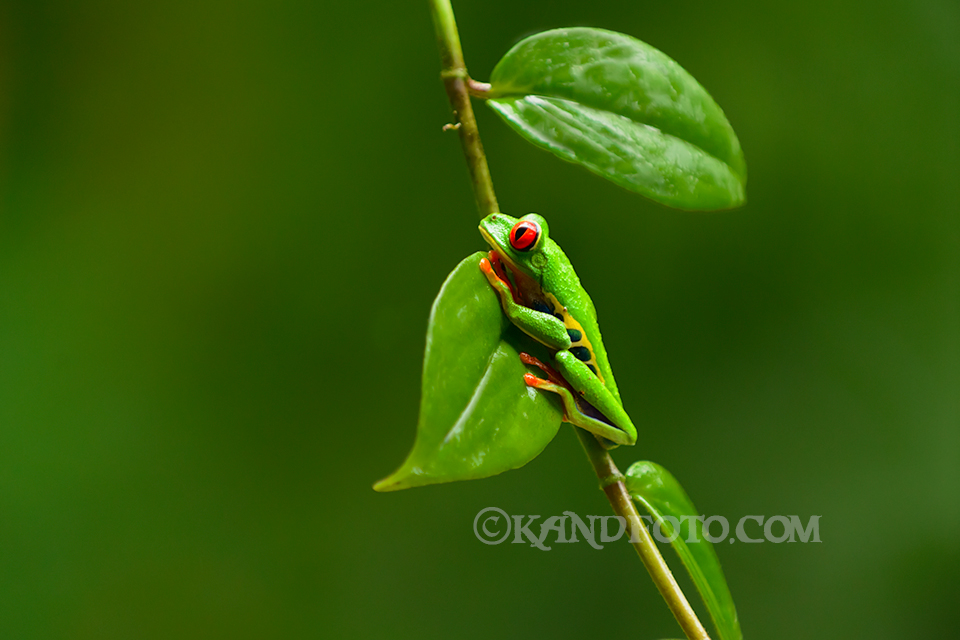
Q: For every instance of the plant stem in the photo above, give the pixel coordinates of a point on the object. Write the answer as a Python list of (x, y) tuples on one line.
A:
[(457, 83), (612, 483), (459, 87)]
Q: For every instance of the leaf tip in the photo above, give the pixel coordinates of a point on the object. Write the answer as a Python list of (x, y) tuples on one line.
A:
[(403, 478), (386, 485)]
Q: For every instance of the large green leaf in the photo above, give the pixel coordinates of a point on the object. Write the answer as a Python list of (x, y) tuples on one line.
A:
[(656, 490), (477, 416), (624, 110)]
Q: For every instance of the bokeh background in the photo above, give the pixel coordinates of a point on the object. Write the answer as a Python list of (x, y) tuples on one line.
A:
[(222, 225)]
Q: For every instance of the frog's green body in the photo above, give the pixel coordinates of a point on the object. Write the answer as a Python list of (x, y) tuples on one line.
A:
[(544, 298)]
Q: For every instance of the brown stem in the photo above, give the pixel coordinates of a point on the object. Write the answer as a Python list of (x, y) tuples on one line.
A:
[(458, 83), (612, 483)]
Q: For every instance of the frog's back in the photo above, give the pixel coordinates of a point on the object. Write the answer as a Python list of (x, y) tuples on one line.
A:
[(573, 306)]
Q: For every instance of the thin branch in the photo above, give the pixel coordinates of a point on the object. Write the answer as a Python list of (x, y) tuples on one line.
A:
[(457, 83), (612, 483)]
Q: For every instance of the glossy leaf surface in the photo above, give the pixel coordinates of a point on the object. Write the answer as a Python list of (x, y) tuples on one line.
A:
[(658, 492), (624, 110), (477, 416)]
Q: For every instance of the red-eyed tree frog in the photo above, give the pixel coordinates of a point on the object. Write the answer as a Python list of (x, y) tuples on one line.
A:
[(541, 294)]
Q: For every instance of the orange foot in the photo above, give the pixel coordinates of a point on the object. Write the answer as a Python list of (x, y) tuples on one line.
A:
[(556, 383), (552, 373)]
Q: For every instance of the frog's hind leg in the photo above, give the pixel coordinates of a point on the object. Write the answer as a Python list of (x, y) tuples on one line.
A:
[(552, 373), (573, 413), (596, 400)]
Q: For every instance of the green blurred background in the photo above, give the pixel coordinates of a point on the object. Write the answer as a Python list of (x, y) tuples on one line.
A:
[(221, 228)]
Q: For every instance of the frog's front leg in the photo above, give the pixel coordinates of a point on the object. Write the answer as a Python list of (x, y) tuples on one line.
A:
[(542, 327)]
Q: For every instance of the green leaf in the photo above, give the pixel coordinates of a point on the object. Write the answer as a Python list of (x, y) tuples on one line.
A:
[(624, 110), (657, 491), (478, 417)]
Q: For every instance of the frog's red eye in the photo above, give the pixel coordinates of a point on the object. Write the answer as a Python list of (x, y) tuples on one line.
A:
[(524, 235)]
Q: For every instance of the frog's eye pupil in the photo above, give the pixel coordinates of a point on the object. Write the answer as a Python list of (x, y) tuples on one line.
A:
[(524, 235)]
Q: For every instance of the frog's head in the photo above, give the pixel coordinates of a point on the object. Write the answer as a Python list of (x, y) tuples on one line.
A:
[(520, 242)]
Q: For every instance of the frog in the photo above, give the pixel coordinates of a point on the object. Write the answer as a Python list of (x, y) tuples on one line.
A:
[(541, 294)]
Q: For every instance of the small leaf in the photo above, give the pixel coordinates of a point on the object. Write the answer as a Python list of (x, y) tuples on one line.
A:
[(624, 110), (657, 491), (478, 417)]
